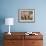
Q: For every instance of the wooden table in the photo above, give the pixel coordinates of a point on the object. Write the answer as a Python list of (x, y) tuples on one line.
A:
[(20, 39)]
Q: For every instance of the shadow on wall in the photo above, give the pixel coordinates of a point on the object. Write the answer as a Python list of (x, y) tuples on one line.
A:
[(2, 21)]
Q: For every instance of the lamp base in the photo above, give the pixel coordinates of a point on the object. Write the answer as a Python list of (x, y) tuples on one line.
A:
[(9, 33)]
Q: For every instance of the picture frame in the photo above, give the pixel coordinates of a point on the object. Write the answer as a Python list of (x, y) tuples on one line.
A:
[(26, 15)]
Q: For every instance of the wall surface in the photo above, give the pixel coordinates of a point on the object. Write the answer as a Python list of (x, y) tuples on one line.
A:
[(9, 8)]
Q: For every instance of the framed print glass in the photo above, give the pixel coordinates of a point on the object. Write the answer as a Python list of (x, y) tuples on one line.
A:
[(26, 15)]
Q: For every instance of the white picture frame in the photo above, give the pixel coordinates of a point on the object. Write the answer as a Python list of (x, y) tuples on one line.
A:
[(26, 15)]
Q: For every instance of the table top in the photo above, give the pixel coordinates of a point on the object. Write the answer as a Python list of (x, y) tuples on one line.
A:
[(22, 35)]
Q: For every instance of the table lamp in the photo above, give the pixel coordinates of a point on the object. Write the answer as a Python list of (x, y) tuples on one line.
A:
[(9, 21)]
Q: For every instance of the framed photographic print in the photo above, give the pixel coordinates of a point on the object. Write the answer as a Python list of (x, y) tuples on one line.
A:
[(26, 15)]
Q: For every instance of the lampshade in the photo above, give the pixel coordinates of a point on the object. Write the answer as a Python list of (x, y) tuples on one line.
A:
[(9, 21)]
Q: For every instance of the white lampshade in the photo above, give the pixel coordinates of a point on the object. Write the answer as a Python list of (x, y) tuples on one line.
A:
[(9, 21)]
